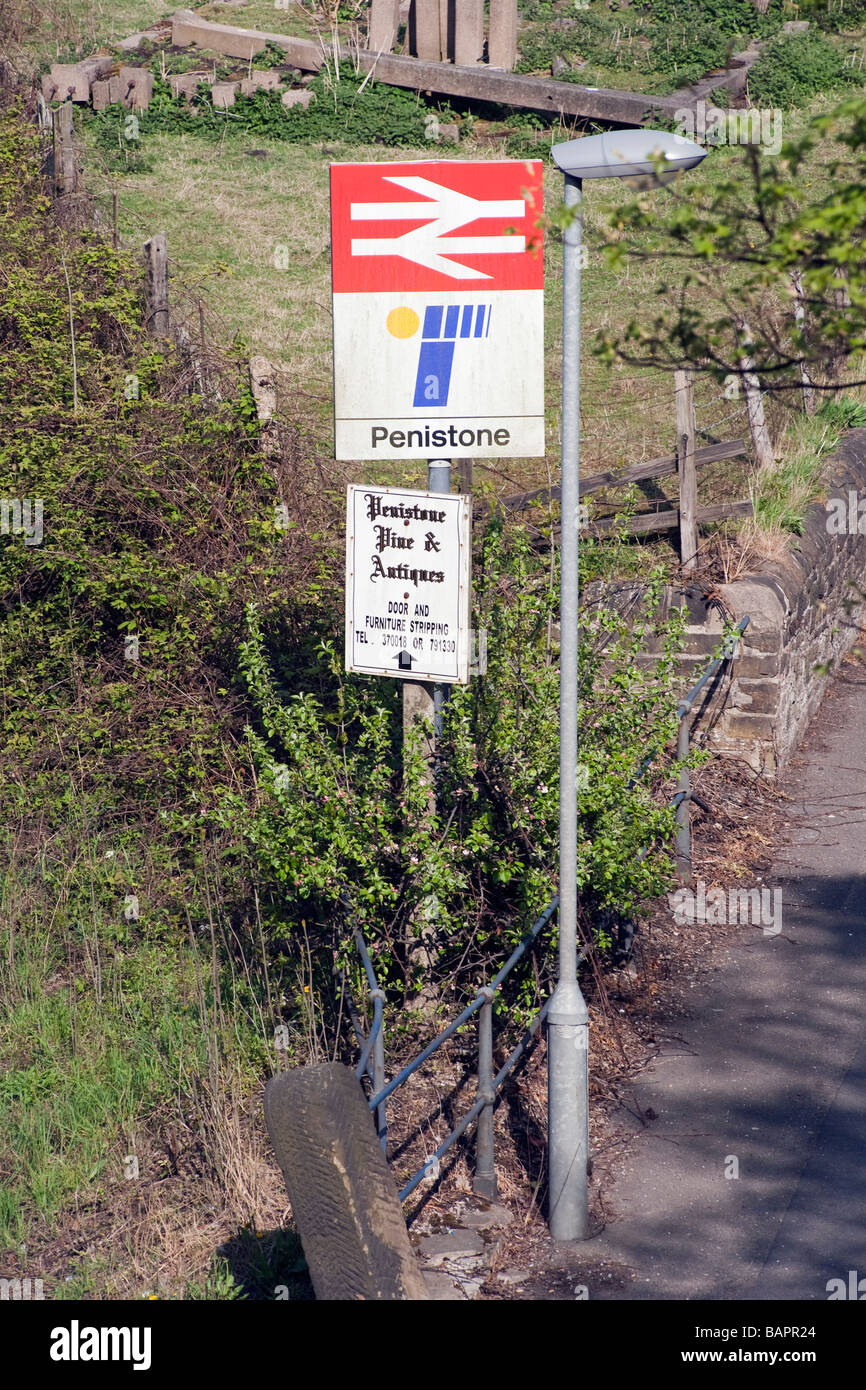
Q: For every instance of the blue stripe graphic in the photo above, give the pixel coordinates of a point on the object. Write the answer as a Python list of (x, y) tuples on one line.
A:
[(434, 374), (433, 378)]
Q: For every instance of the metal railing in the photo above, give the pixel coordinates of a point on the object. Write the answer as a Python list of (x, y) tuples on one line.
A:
[(372, 1043), (683, 842), (372, 1062)]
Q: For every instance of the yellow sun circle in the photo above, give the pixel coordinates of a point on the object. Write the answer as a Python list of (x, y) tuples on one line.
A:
[(402, 322)]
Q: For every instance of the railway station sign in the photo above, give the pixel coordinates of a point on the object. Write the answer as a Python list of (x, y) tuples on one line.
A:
[(407, 584), (437, 278)]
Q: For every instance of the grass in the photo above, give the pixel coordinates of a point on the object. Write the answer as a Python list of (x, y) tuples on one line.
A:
[(782, 497), (125, 1040), (229, 209), (68, 28), (289, 17)]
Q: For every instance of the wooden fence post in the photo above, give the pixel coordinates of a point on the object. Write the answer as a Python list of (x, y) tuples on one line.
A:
[(684, 396), (754, 400), (809, 402), (382, 31), (44, 113), (264, 392), (839, 358), (468, 32), (156, 286), (502, 43), (65, 167)]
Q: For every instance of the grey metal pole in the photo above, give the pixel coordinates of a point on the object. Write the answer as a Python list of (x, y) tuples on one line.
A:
[(438, 480), (568, 1021), (379, 1078), (484, 1182), (684, 821)]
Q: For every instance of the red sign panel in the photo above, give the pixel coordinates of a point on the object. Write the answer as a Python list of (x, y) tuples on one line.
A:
[(436, 226)]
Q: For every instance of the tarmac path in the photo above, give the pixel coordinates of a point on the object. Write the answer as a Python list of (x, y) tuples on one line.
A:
[(770, 1071)]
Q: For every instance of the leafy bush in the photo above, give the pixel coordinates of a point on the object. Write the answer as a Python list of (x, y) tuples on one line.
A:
[(834, 16), (340, 813), (732, 18), (794, 67), (687, 51), (662, 50)]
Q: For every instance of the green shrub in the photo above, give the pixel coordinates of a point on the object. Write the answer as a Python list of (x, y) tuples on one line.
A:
[(661, 47), (795, 67), (834, 16), (731, 18), (337, 813)]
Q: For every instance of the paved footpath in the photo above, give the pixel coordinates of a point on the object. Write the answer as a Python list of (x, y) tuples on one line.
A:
[(771, 1071)]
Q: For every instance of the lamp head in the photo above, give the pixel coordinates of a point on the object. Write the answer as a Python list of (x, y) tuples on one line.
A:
[(628, 154)]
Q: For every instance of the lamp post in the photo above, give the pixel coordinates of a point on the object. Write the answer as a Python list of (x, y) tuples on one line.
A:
[(651, 156)]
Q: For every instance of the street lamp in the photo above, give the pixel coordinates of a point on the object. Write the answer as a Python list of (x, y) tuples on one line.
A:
[(651, 156)]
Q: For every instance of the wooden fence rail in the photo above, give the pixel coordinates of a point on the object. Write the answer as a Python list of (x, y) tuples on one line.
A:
[(687, 516)]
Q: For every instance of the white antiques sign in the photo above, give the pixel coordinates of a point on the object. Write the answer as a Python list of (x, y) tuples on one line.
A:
[(407, 584)]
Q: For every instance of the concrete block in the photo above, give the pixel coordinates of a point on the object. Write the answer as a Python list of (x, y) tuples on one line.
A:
[(298, 98), (756, 696), (441, 1289), (449, 134), (382, 27), (185, 84), (187, 28), (99, 65), (129, 44), (737, 724), (796, 26), (502, 43), (435, 1250), (138, 87), (427, 31), (71, 81), (267, 81), (760, 598), (755, 663), (100, 94), (223, 94), (468, 33), (116, 89)]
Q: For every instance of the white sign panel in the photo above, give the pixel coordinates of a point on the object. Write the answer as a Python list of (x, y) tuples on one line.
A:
[(438, 309), (407, 584)]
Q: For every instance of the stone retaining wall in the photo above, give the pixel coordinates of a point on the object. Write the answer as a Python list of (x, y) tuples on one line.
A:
[(804, 614)]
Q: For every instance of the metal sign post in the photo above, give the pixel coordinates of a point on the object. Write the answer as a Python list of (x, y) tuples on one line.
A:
[(567, 1021), (438, 302), (655, 156)]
